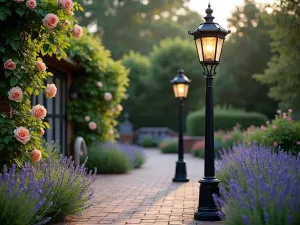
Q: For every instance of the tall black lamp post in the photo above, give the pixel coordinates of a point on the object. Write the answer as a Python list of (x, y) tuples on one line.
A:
[(209, 38), (180, 86)]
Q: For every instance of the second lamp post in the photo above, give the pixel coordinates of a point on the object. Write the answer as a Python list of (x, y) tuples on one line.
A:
[(180, 86)]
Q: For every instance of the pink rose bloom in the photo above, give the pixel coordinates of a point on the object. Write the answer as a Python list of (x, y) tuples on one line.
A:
[(10, 65), (87, 118), (249, 143), (107, 96), (71, 13), (268, 122), (42, 131), (120, 108), (77, 31), (36, 155), (50, 21), (289, 119), (41, 67), (15, 94), (99, 84), (38, 112), (50, 91), (290, 110), (19, 1), (275, 144), (298, 142), (278, 111), (66, 4), (92, 125), (31, 4), (22, 135), (274, 127), (284, 114), (284, 117), (262, 127), (111, 132)]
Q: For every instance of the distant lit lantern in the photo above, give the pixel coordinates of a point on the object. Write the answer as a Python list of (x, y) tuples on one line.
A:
[(180, 85), (209, 38)]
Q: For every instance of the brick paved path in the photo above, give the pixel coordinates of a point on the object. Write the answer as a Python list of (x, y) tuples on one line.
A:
[(147, 195)]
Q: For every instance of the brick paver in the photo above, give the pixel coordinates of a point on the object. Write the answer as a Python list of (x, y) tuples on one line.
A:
[(146, 195)]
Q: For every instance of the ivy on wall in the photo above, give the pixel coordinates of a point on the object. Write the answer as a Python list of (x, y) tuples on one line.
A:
[(29, 30), (102, 86)]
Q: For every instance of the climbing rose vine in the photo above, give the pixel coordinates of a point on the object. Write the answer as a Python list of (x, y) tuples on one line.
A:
[(30, 30)]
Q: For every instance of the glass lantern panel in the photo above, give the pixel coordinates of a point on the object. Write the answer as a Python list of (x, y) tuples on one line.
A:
[(180, 90), (209, 48), (219, 48), (199, 48)]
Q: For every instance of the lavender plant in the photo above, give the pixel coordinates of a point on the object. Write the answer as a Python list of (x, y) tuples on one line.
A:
[(22, 197), (259, 186), (71, 186)]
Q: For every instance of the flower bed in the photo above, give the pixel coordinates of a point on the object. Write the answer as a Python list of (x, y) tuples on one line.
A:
[(47, 191), (259, 186)]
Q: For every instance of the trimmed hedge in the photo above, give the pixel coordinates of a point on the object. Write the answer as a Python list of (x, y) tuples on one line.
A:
[(224, 119)]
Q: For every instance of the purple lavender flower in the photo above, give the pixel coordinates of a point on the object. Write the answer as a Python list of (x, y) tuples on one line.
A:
[(259, 186)]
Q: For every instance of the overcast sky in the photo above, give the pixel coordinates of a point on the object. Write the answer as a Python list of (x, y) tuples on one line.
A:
[(222, 8)]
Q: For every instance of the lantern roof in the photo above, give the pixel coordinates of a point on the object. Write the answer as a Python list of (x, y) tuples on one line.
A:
[(180, 78), (209, 25)]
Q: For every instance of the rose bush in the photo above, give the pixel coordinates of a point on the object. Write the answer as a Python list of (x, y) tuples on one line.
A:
[(101, 90), (29, 30)]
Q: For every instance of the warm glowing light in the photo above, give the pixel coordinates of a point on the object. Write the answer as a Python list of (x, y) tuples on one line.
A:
[(209, 45), (180, 90)]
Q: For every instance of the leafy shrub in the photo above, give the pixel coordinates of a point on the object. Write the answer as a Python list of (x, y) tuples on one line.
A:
[(259, 187), (282, 132), (70, 186), (102, 77), (147, 141), (169, 146), (224, 119), (114, 158), (22, 202)]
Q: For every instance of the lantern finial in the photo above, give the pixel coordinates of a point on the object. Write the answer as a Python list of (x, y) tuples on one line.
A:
[(209, 18)]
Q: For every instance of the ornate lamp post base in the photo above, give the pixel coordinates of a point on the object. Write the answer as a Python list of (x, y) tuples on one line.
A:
[(207, 211), (180, 175)]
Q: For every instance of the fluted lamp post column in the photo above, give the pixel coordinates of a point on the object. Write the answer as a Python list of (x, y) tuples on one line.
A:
[(209, 38), (180, 86)]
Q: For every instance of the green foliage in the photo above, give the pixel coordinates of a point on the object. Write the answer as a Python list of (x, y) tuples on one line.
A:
[(145, 25), (234, 83), (97, 67), (160, 98), (283, 132), (108, 160), (139, 66), (283, 73), (23, 38), (147, 141), (17, 211), (52, 149), (224, 119), (169, 146)]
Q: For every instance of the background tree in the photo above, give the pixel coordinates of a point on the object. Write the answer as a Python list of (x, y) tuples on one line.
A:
[(138, 88), (283, 73), (246, 52), (159, 107), (137, 25)]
